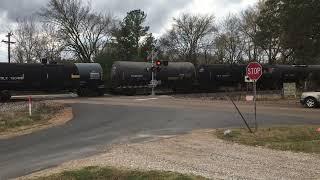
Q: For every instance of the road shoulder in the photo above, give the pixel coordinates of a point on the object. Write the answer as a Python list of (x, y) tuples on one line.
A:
[(201, 153)]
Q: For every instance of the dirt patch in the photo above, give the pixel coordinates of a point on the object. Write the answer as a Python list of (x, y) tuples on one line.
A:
[(61, 117), (201, 153)]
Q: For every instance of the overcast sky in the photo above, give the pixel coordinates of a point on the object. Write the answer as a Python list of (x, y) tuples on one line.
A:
[(159, 12)]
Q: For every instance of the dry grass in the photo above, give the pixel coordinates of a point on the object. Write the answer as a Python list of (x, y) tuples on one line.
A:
[(292, 138), (16, 118), (99, 173)]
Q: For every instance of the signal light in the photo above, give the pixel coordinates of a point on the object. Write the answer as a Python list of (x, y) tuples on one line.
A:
[(165, 63), (158, 63)]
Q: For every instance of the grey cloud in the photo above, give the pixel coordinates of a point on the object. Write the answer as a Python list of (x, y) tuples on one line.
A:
[(20, 8), (158, 11)]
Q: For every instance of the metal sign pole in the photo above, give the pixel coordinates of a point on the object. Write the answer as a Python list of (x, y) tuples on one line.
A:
[(244, 120), (255, 104), (152, 74)]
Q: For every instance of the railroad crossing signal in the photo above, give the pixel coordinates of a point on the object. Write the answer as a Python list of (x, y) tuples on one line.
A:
[(158, 63), (152, 56), (162, 63), (156, 67)]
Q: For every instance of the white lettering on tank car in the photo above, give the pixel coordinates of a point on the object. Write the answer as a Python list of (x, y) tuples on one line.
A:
[(12, 78)]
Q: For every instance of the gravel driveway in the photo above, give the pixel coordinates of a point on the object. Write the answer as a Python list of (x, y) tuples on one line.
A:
[(202, 154)]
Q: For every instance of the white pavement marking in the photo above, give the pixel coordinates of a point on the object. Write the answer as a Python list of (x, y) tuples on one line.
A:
[(147, 99)]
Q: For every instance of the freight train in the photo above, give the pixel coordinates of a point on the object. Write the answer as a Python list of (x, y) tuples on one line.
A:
[(130, 77), (84, 79)]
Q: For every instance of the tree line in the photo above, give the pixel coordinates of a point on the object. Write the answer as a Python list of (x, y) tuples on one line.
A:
[(272, 32)]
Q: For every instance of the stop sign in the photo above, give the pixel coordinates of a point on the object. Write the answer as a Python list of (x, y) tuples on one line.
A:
[(254, 71)]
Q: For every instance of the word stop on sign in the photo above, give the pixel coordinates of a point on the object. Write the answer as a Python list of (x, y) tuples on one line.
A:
[(254, 71)]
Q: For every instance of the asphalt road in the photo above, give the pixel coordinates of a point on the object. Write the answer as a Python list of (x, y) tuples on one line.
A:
[(99, 122)]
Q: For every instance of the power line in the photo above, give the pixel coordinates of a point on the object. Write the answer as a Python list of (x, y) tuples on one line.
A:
[(9, 42)]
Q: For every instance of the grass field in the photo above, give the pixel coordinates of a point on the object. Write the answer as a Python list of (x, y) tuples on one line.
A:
[(291, 138), (17, 115), (99, 173)]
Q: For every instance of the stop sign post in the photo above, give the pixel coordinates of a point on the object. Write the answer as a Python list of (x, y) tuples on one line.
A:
[(254, 72)]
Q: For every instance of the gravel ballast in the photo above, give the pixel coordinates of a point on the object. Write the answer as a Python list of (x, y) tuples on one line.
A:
[(201, 153)]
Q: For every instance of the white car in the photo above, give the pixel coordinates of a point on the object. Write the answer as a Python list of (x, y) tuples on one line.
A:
[(310, 99)]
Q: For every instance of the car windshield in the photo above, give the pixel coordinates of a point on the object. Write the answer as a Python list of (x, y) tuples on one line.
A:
[(138, 89)]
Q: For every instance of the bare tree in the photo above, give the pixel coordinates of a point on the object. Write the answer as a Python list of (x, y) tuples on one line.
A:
[(206, 50), (26, 36), (172, 48), (36, 40), (86, 33), (229, 42), (49, 45), (249, 29), (187, 34)]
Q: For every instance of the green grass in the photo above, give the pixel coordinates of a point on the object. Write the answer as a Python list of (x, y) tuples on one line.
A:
[(99, 173), (41, 113), (292, 138)]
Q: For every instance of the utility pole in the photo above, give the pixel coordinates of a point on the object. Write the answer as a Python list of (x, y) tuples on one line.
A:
[(9, 42)]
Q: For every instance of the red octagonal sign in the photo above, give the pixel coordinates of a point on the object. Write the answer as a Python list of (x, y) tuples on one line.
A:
[(254, 71)]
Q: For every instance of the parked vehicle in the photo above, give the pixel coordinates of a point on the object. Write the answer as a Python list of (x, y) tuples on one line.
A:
[(310, 99)]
